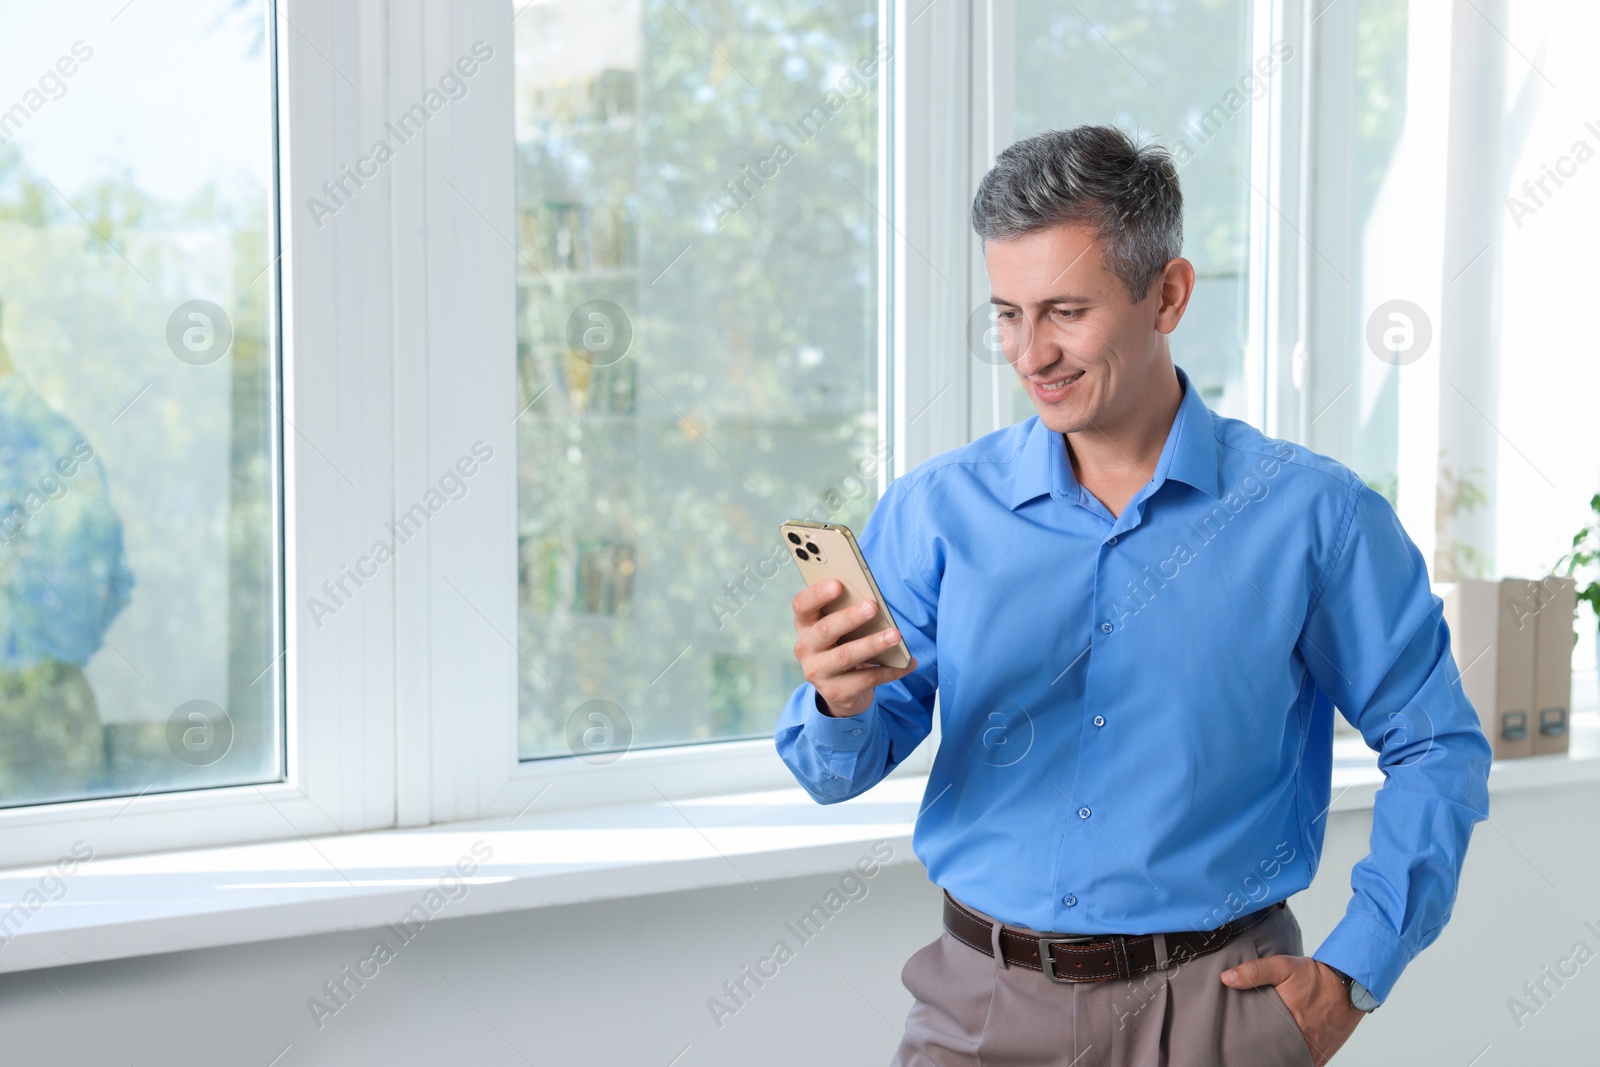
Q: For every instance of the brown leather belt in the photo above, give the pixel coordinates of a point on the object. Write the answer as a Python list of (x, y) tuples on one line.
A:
[(1090, 957)]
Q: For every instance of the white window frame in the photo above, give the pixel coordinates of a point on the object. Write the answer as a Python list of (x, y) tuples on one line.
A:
[(473, 769), (339, 737)]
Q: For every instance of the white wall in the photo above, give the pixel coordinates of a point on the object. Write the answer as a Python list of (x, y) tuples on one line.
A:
[(557, 985)]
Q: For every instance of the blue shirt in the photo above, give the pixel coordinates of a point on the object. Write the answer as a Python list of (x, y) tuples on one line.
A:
[(1137, 711)]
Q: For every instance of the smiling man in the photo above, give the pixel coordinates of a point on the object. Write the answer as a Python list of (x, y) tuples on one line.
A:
[(1139, 618)]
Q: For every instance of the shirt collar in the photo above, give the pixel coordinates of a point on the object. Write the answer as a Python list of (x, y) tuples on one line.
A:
[(1189, 455)]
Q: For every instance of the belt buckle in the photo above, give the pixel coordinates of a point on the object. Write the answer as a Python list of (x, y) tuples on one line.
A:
[(1047, 962)]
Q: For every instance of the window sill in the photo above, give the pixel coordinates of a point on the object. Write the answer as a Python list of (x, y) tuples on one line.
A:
[(167, 902)]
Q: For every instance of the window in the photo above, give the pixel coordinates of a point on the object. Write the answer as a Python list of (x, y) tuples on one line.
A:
[(698, 354), (1184, 75), (1535, 412), (139, 603), (1441, 272)]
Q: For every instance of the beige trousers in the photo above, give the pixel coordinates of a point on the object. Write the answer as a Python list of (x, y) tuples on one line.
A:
[(974, 1011)]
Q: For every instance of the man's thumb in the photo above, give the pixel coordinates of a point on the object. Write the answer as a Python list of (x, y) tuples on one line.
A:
[(1269, 970)]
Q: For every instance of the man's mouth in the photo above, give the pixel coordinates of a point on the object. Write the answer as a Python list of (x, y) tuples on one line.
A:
[(1057, 389)]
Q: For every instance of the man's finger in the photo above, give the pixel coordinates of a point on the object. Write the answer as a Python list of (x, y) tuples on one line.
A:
[(809, 601), (852, 654), (1268, 970), (833, 626)]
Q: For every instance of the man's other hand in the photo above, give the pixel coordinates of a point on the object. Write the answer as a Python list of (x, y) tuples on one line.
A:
[(1314, 994)]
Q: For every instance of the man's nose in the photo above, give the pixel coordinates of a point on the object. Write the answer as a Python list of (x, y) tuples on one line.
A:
[(1029, 351)]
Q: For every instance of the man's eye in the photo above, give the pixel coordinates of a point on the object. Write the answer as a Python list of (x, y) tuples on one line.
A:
[(1068, 312)]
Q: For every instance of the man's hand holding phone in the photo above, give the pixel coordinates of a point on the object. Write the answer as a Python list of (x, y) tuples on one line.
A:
[(836, 670)]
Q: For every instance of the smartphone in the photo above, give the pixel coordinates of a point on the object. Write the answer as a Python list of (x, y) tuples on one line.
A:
[(824, 550)]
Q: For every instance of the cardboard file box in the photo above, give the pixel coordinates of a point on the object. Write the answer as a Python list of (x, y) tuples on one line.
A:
[(1512, 642), (1472, 611), (1552, 674)]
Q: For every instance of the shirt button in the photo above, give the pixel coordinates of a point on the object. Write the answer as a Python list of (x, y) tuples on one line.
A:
[(1083, 813), (1106, 627), (857, 730), (1111, 540), (1099, 720), (1069, 900)]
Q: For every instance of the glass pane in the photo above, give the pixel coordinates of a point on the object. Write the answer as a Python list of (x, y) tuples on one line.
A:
[(697, 348), (1354, 404), (138, 596), (1171, 72)]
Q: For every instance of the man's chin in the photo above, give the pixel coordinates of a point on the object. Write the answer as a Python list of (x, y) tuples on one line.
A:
[(1062, 421)]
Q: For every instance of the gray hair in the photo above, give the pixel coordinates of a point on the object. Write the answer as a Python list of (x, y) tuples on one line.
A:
[(1094, 175)]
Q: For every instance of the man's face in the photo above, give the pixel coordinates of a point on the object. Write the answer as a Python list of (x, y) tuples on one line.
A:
[(1064, 318)]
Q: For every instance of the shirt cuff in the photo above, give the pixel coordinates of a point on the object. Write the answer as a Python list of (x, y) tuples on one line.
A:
[(1367, 951), (837, 733)]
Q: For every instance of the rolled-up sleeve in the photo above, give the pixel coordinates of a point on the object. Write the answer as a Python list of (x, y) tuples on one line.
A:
[(1376, 642), (835, 759)]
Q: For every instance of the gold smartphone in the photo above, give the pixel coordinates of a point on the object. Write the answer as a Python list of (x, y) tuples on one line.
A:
[(824, 550)]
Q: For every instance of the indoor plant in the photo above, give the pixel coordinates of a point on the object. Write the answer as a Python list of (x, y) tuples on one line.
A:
[(1586, 553)]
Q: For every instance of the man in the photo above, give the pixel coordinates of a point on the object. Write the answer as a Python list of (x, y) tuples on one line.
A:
[(1139, 617)]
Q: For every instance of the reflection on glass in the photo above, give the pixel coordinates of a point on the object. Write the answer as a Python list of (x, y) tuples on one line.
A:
[(697, 352), (1173, 73), (137, 518)]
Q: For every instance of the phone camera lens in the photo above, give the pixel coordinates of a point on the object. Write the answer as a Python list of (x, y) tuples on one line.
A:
[(794, 537), (813, 549), (801, 553)]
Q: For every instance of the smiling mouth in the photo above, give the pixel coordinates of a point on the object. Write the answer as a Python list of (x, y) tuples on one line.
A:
[(1058, 388)]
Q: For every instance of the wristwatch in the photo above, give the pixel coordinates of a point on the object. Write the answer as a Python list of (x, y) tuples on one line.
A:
[(1360, 999)]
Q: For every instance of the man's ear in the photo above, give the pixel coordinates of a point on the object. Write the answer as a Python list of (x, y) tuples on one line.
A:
[(1173, 288)]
